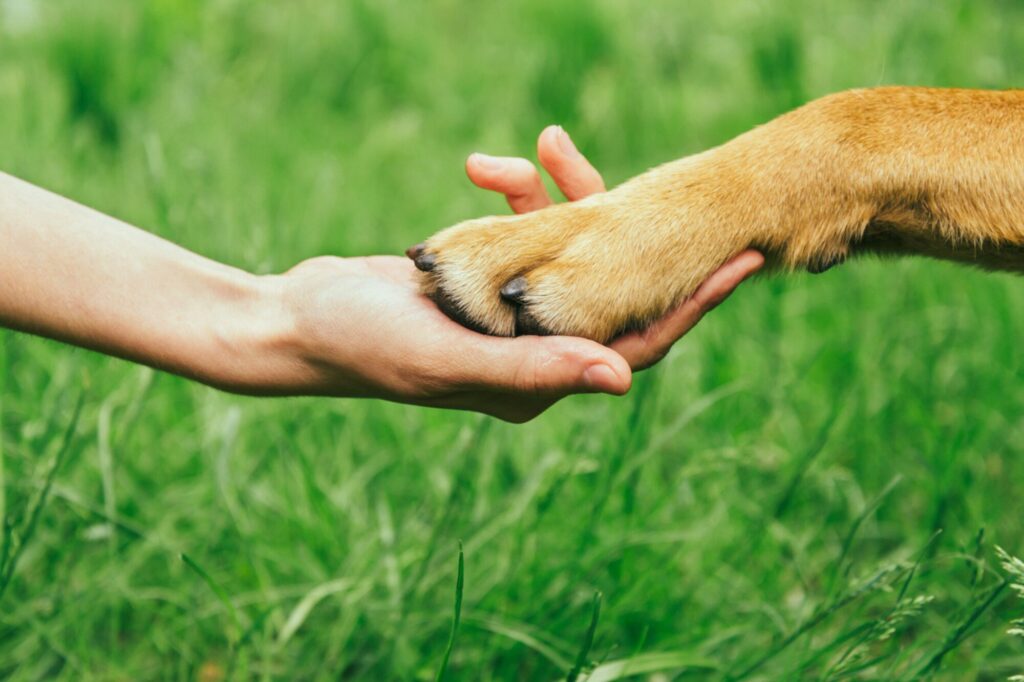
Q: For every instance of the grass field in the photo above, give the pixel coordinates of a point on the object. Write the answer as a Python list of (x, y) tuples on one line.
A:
[(812, 486)]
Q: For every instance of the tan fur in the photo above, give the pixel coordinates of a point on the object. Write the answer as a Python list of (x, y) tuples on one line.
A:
[(887, 170)]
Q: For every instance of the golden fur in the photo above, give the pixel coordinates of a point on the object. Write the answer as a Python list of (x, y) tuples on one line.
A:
[(886, 170)]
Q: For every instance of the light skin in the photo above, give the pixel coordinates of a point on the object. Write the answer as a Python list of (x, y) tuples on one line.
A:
[(349, 327)]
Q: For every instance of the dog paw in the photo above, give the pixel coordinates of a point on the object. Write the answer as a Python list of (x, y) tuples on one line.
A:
[(793, 189), (595, 268)]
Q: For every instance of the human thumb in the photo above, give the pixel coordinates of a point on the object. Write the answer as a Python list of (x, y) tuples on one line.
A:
[(556, 365)]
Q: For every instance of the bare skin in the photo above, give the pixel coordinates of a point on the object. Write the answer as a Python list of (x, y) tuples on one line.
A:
[(349, 327)]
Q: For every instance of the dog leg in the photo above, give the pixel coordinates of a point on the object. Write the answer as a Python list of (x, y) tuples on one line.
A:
[(887, 170)]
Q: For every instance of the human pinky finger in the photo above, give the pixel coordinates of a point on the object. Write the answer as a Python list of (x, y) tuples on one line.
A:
[(645, 348)]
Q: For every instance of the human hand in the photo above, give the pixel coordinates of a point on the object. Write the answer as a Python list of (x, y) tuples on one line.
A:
[(360, 327)]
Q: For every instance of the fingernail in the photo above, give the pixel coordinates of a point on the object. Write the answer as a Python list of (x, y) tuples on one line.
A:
[(601, 378), (565, 143), (485, 161)]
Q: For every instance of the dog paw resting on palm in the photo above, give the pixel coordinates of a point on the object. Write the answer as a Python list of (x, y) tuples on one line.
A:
[(886, 171)]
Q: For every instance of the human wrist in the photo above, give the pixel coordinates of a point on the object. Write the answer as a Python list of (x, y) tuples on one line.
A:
[(254, 346)]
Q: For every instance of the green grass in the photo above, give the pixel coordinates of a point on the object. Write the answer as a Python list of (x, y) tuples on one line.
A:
[(810, 486)]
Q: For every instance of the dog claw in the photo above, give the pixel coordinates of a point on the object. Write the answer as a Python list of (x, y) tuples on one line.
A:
[(514, 290), (425, 261), (415, 251)]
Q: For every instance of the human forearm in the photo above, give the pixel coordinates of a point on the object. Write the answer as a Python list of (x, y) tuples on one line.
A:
[(76, 275)]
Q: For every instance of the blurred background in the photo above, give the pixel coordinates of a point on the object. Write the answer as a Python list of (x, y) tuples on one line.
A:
[(813, 485)]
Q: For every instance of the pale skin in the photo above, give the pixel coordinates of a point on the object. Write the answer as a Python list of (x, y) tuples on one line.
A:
[(347, 327)]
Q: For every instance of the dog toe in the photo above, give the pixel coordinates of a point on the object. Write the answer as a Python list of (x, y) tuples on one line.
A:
[(514, 290)]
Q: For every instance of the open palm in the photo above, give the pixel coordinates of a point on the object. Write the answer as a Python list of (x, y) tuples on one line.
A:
[(370, 332)]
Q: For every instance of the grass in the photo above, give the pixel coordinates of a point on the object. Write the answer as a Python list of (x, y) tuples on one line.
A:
[(811, 486), (459, 583)]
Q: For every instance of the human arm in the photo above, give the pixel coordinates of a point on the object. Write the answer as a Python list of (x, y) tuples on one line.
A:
[(329, 326)]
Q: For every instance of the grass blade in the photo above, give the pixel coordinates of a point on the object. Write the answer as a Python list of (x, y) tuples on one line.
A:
[(7, 532), (960, 632), (302, 610), (479, 437), (541, 642), (916, 566), (870, 629), (643, 664), (236, 628), (7, 572), (819, 443), (588, 640), (879, 578), (851, 534), (459, 581), (979, 562)]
